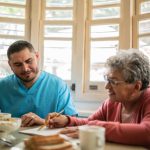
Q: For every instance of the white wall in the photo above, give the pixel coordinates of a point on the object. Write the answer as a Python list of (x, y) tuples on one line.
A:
[(85, 108)]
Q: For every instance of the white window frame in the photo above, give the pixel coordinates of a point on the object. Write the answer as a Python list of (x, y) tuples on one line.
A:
[(128, 38), (138, 17), (25, 21), (80, 58)]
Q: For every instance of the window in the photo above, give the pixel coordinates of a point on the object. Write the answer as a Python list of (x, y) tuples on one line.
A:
[(14, 23), (71, 40), (103, 26), (75, 37), (142, 23), (58, 22)]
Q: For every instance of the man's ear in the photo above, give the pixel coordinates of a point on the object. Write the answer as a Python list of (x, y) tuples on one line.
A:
[(37, 55), (9, 63)]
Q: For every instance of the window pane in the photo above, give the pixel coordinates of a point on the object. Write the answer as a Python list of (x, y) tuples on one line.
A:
[(105, 31), (58, 3), (100, 51), (57, 58), (4, 67), (14, 1), (145, 7), (144, 26), (12, 12), (144, 45), (59, 15), (12, 29), (101, 2), (58, 31), (102, 13), (4, 44)]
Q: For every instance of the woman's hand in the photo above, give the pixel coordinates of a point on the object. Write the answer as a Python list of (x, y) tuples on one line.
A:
[(56, 120), (72, 132)]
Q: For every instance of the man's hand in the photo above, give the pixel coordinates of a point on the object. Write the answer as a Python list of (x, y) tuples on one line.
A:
[(56, 120), (31, 119)]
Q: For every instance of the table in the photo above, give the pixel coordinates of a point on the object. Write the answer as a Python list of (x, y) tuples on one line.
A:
[(109, 146)]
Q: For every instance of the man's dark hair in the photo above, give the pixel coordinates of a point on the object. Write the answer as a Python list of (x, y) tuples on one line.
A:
[(19, 46)]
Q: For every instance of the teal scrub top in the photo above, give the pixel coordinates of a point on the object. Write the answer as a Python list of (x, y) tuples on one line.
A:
[(48, 94)]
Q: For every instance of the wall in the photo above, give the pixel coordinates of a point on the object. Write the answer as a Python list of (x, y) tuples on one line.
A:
[(86, 108)]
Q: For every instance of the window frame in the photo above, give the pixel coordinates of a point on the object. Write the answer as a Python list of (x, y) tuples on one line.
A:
[(81, 23)]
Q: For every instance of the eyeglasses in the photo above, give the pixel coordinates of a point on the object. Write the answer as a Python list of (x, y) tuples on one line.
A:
[(112, 82)]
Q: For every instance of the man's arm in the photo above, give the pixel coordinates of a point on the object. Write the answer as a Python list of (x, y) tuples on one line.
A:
[(65, 100)]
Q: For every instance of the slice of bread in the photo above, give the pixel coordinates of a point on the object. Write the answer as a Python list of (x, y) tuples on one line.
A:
[(62, 146), (54, 142), (43, 140)]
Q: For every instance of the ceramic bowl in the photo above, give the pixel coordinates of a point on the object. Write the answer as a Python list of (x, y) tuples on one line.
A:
[(9, 125), (5, 116)]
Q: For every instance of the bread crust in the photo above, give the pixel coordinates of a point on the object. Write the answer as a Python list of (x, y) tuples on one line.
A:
[(54, 142)]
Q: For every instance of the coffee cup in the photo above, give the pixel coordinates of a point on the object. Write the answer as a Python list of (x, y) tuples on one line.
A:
[(92, 137)]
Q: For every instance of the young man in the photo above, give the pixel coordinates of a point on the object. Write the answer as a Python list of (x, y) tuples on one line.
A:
[(30, 93)]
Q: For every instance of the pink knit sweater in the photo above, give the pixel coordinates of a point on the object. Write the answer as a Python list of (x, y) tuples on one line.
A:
[(135, 132)]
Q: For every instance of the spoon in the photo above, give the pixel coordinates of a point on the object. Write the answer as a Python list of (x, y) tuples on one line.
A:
[(5, 142)]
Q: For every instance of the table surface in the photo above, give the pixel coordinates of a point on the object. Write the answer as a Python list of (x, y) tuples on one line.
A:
[(108, 146)]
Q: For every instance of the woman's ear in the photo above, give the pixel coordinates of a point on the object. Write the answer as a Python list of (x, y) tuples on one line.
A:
[(138, 85), (136, 88)]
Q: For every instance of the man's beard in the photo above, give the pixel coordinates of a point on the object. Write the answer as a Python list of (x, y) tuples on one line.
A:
[(29, 79)]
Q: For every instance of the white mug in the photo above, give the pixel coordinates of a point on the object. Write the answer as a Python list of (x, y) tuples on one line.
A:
[(92, 137)]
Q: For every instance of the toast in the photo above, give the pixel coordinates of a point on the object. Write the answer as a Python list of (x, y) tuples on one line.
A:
[(54, 142)]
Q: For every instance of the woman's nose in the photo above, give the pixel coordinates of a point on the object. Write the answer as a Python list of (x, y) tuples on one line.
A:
[(107, 85)]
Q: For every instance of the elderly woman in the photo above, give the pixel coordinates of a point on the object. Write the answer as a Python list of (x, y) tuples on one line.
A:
[(126, 113)]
